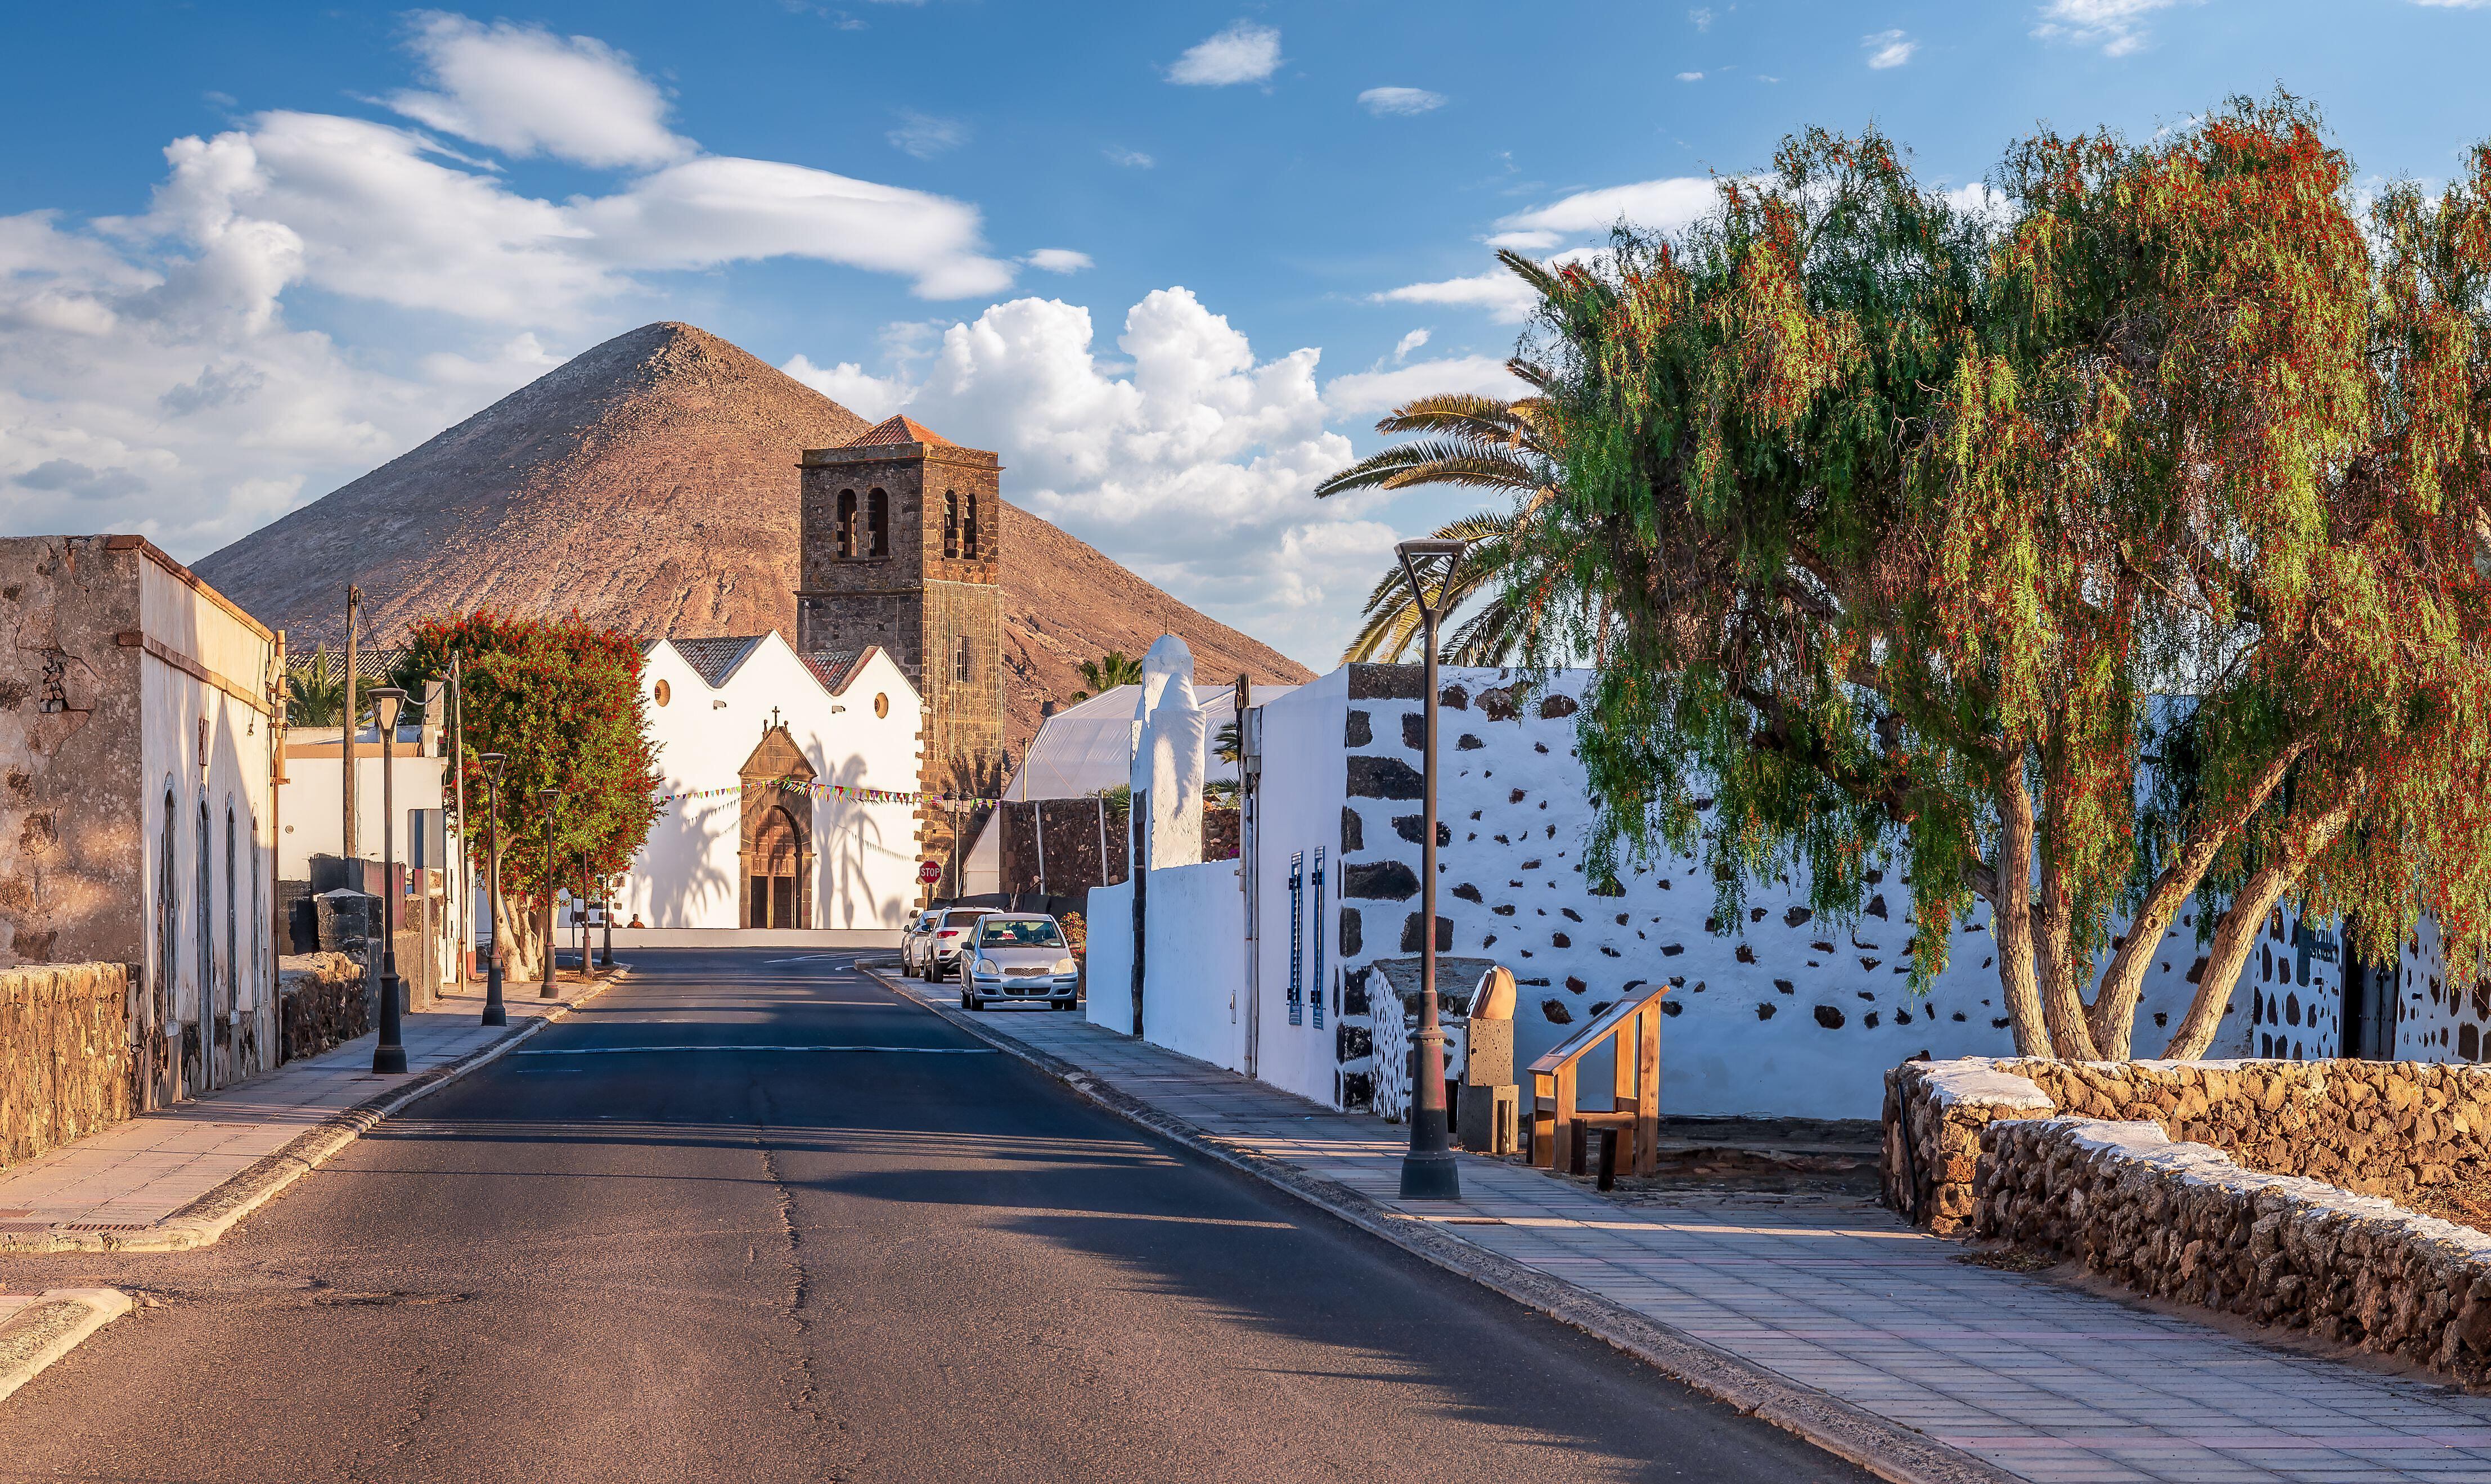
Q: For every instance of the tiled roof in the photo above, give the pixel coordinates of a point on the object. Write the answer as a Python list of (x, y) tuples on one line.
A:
[(831, 667), (715, 659), (898, 428)]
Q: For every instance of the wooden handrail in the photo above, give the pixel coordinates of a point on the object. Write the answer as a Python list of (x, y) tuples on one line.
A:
[(1633, 1025)]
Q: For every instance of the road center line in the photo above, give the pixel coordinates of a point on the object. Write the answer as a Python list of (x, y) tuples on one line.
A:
[(613, 1051)]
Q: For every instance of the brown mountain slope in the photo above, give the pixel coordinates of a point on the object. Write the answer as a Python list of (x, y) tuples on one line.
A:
[(649, 483)]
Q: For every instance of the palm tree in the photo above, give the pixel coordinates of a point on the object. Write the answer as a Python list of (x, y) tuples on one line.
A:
[(1481, 442), (316, 690), (1107, 672)]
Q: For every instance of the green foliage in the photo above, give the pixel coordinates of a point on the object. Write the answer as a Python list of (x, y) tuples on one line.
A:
[(1107, 672), (1472, 440), (560, 699), (1908, 533), (315, 689)]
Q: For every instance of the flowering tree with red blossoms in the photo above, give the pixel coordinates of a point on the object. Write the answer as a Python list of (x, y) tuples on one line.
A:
[(2117, 545), (561, 700)]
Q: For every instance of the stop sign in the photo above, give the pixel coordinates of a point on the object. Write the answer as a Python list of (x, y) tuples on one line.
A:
[(930, 872)]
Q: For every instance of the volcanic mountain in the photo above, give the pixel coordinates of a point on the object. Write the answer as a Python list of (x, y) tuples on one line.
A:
[(651, 484)]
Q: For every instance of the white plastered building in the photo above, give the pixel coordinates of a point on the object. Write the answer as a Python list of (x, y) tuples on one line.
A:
[(740, 856)]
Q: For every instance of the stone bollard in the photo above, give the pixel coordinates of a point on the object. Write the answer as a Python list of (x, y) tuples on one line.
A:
[(1489, 1117)]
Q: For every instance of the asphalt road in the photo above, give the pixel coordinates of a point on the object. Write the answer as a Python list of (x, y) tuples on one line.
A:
[(735, 1255)]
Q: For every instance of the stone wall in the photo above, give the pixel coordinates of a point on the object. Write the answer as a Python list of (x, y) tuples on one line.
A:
[(2382, 1128), (71, 848), (65, 1062), (2184, 1222), (322, 1001)]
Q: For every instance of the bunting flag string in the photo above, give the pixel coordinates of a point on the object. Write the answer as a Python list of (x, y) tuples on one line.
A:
[(852, 792)]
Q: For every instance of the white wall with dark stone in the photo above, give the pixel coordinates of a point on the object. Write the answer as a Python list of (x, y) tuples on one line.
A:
[(1783, 1012)]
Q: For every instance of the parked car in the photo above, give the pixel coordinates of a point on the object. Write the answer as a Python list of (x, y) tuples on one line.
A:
[(942, 957), (1019, 956), (915, 936)]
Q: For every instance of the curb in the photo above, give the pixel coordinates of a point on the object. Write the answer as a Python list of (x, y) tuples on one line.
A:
[(207, 1219), (1886, 1448), (52, 1327)]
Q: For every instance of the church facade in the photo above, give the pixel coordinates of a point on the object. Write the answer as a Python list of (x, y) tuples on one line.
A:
[(900, 552)]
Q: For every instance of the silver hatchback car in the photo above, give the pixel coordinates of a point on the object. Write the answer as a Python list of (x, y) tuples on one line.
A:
[(1014, 957)]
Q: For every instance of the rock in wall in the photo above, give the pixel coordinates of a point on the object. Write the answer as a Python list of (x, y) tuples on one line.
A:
[(65, 1062)]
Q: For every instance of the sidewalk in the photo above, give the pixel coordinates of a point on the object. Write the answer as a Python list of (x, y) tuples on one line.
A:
[(181, 1176), (1849, 1327)]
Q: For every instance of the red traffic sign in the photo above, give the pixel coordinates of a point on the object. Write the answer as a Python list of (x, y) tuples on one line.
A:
[(930, 872)]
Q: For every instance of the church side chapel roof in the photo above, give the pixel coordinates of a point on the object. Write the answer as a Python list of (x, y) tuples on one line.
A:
[(898, 428), (831, 667), (715, 659)]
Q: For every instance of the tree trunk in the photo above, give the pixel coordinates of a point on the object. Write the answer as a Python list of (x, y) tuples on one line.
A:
[(2114, 1012), (2011, 912), (2054, 948), (2242, 922), (518, 940)]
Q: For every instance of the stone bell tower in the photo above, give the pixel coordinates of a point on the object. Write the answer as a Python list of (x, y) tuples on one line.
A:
[(900, 549)]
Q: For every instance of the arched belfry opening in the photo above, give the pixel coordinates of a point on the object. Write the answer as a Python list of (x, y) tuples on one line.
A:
[(776, 873)]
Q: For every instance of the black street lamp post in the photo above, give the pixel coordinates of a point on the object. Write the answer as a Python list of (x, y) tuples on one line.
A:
[(551, 797), (494, 1012), (1428, 1172), (389, 1053), (606, 947)]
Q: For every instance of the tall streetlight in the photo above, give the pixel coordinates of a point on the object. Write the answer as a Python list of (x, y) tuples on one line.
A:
[(551, 797), (492, 762), (605, 949), (1428, 1172), (389, 1053)]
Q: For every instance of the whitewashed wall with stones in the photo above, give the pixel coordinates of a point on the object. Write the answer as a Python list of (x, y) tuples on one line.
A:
[(1783, 1013)]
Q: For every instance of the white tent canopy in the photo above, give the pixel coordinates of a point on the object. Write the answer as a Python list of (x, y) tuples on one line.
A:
[(1084, 749)]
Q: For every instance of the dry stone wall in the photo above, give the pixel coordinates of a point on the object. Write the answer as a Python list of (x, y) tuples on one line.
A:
[(65, 1062), (323, 1001), (2384, 1128), (2184, 1222)]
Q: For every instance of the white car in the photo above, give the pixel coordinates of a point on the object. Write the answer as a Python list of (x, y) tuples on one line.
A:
[(950, 935), (915, 936), (1017, 956)]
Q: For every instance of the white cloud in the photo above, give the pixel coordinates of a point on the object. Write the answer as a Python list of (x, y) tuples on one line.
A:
[(1132, 160), (1701, 18), (2454, 5), (1506, 298), (924, 135), (1892, 48), (526, 91), (1662, 206), (1978, 200), (1381, 101), (1058, 260), (852, 387), (1371, 392), (1245, 53), (1408, 343), (1192, 460), (2115, 26), (1690, 76), (1524, 241)]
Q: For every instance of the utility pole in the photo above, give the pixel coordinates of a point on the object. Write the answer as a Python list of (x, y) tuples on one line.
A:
[(462, 937), (354, 616)]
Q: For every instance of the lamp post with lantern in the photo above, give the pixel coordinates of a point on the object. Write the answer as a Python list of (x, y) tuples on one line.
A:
[(1428, 1172), (388, 1052), (495, 1014), (551, 797)]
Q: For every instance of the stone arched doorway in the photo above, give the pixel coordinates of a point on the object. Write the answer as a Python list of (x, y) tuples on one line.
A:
[(776, 862)]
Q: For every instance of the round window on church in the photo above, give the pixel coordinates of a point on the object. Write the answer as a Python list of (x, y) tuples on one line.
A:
[(666, 693), (881, 705)]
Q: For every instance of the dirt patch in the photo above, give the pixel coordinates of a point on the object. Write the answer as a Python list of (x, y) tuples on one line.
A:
[(1755, 1161), (2466, 1202)]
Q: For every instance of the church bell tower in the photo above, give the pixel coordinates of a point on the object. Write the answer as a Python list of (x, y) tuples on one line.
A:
[(900, 548)]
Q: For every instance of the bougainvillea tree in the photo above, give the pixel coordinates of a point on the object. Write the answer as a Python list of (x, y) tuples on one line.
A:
[(2092, 553), (561, 700)]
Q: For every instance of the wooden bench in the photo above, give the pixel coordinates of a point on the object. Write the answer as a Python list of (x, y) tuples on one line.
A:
[(1633, 1026)]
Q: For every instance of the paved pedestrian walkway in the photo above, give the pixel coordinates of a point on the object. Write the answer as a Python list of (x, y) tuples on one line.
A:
[(133, 1176), (2042, 1380)]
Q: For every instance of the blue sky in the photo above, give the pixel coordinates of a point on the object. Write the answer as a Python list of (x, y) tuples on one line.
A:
[(1171, 260)]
